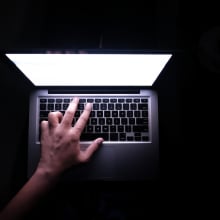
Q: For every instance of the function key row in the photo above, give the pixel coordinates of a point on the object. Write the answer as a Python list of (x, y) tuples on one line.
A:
[(95, 100)]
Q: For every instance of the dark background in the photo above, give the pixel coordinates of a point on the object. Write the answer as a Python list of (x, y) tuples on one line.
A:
[(187, 91)]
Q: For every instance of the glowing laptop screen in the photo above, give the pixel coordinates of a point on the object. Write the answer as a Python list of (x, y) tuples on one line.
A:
[(90, 69)]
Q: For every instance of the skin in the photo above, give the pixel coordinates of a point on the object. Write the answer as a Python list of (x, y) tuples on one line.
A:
[(60, 149)]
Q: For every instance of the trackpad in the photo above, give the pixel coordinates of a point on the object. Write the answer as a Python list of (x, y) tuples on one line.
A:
[(100, 167)]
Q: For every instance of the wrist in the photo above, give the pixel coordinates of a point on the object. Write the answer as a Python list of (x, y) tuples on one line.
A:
[(46, 174)]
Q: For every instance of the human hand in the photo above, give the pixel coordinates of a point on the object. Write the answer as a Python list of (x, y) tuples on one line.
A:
[(60, 142)]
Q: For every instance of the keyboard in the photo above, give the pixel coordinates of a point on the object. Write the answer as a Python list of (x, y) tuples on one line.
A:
[(120, 119)]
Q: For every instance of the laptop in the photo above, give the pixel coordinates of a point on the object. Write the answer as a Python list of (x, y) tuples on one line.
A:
[(125, 107)]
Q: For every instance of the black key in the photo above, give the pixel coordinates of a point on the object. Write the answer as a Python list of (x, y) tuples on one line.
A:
[(100, 114), (50, 107), (43, 100), (98, 128), (94, 121), (128, 128), (128, 100), (129, 114), (142, 106), (130, 138), (145, 138), (59, 100), (137, 114), (97, 100), (82, 101), (105, 100), (110, 106), (51, 100), (112, 128), (137, 138), (90, 100), (131, 121), (101, 121), (57, 107), (81, 106), (136, 100), (144, 113), (117, 121), (114, 136), (122, 137), (124, 121), (121, 100), (133, 106), (144, 100), (118, 106), (89, 128), (105, 129), (120, 128), (113, 100), (108, 121), (115, 114), (107, 114), (44, 114), (66, 100), (93, 136), (95, 106), (122, 113), (141, 121), (43, 106), (140, 128), (103, 106), (126, 106)]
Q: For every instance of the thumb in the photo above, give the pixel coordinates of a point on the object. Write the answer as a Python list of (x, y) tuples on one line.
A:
[(86, 155)]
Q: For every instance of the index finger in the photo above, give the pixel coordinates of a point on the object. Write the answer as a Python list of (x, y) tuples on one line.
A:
[(70, 112), (82, 121)]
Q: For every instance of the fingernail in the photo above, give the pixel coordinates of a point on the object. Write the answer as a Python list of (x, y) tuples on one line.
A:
[(100, 140), (89, 105)]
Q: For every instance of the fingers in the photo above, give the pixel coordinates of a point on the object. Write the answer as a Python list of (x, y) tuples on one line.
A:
[(86, 155), (82, 121), (70, 112), (54, 118), (44, 129)]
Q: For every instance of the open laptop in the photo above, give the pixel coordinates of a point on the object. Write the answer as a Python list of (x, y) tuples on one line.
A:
[(125, 108)]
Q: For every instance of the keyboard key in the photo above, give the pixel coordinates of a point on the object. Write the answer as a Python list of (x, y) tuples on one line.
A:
[(43, 100), (93, 136), (66, 100), (140, 128), (59, 100), (113, 100), (51, 100), (114, 136), (142, 106), (43, 106)]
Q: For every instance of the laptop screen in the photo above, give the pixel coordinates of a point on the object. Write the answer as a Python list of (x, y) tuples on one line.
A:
[(90, 69)]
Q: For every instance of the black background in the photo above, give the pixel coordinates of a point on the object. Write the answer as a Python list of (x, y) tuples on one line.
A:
[(187, 91)]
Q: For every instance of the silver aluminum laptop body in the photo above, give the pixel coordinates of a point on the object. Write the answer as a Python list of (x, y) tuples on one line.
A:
[(114, 160)]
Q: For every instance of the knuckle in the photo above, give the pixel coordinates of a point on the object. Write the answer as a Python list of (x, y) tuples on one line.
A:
[(69, 112)]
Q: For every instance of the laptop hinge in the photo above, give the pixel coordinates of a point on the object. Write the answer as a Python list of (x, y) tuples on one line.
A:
[(95, 91)]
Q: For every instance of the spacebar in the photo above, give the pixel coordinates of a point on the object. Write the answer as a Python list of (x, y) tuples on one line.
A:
[(93, 136)]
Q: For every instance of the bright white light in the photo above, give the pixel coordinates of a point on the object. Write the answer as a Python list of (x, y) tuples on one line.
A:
[(91, 69)]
